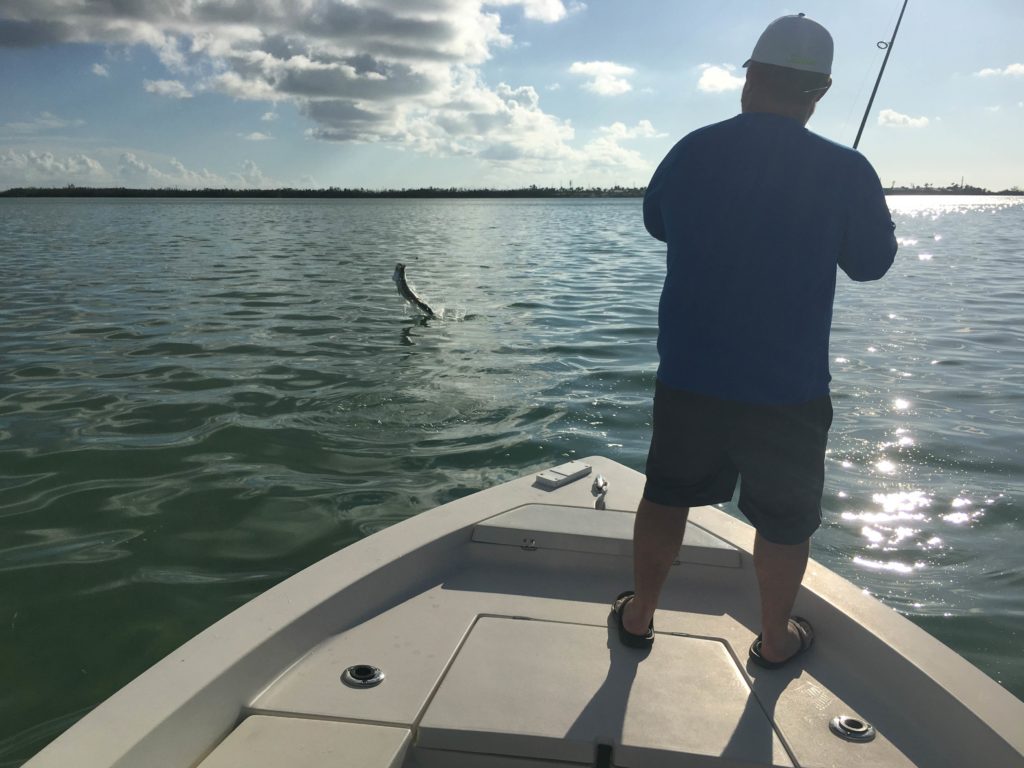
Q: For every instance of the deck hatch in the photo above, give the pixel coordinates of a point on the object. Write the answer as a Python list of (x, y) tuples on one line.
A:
[(272, 742), (550, 690), (597, 531)]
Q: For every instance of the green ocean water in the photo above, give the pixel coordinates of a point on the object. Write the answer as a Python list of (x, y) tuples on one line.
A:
[(199, 398)]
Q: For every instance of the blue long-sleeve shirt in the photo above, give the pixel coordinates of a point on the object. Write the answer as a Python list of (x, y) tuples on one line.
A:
[(758, 212)]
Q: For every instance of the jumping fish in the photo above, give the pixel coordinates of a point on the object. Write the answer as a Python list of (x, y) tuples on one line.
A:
[(408, 293)]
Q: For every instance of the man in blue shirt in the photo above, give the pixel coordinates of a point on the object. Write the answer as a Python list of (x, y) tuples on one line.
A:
[(758, 213)]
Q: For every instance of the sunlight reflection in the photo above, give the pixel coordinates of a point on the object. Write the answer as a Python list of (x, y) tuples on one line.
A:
[(963, 515), (875, 537), (892, 527), (903, 533), (902, 501), (933, 207), (883, 517), (879, 565)]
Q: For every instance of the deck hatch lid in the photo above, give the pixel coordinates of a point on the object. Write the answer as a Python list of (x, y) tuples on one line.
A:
[(598, 531), (270, 742), (550, 690)]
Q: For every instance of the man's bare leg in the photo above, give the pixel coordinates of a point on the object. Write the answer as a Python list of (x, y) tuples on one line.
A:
[(657, 535), (780, 569)]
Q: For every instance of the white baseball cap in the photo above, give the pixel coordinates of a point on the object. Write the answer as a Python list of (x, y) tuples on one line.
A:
[(795, 42)]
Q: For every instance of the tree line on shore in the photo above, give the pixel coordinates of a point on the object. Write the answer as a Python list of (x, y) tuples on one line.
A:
[(532, 191), (421, 192)]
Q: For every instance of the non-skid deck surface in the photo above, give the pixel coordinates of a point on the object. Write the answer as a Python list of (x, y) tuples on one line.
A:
[(539, 689), (286, 742)]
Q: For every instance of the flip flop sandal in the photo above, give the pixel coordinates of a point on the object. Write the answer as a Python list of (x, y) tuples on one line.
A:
[(627, 637), (803, 628)]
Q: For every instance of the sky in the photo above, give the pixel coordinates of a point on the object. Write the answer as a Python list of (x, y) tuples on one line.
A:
[(500, 93)]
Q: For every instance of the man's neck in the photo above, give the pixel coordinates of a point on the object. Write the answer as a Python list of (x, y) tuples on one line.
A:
[(800, 114)]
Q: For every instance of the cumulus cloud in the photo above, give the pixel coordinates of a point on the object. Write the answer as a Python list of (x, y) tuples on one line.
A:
[(252, 176), (269, 116), (541, 10), (373, 55), (506, 124), (893, 118), (642, 130), (170, 88), (384, 71), (256, 136), (44, 168), (100, 70), (605, 77), (241, 87), (606, 150), (1012, 70), (718, 79), (605, 153), (136, 171), (49, 169)]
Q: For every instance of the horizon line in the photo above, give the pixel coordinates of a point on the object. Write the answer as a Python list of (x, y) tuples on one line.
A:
[(533, 190)]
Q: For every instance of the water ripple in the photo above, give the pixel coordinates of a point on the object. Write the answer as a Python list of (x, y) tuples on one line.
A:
[(199, 398)]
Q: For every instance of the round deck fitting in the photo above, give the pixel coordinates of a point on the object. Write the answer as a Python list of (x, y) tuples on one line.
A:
[(851, 728), (362, 676)]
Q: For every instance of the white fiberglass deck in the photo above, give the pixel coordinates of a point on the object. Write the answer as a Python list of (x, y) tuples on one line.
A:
[(489, 620)]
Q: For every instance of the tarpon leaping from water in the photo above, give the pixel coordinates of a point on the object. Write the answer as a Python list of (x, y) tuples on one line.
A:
[(408, 293)]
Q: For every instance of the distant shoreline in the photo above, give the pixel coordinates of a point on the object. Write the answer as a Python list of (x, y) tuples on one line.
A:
[(425, 192), (331, 192)]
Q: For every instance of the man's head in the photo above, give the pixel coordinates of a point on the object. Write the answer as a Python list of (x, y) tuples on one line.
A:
[(790, 68)]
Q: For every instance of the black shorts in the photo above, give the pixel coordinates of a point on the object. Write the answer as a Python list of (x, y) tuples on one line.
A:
[(702, 444)]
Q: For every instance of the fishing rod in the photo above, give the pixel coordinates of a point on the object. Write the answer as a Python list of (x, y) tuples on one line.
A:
[(887, 47)]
